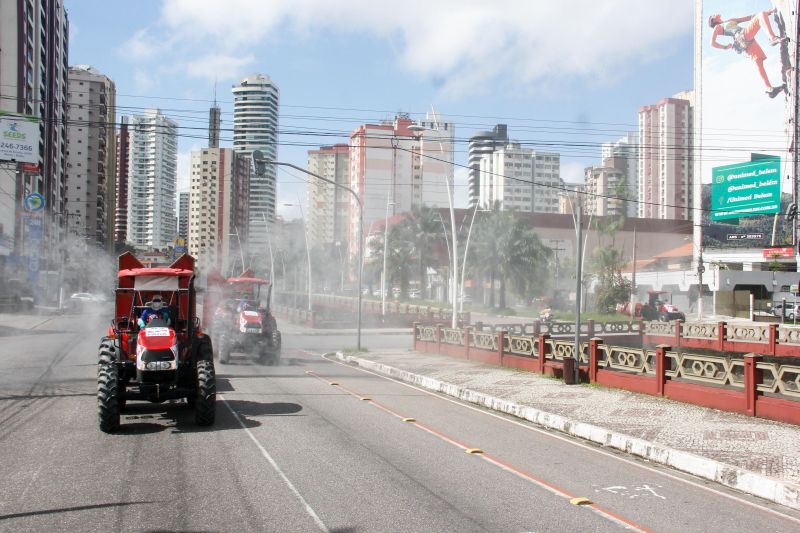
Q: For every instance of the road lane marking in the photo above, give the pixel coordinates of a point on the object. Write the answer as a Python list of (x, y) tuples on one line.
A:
[(608, 515), (550, 434), (309, 510)]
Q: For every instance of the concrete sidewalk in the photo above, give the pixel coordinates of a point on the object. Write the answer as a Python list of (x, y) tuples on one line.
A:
[(754, 455)]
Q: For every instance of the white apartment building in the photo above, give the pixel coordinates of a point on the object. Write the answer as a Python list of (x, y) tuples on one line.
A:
[(521, 179), (328, 205), (91, 156), (255, 127), (605, 191), (215, 196), (152, 177), (403, 163), (623, 155), (666, 159), (480, 144)]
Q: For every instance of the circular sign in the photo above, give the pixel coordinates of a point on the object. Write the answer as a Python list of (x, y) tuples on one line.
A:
[(34, 202)]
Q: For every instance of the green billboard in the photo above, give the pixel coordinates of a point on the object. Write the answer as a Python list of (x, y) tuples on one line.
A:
[(746, 189)]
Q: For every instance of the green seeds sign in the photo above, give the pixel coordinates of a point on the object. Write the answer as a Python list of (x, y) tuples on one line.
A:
[(746, 189)]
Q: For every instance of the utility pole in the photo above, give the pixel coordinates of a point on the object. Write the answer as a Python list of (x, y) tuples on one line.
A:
[(578, 285), (633, 298), (557, 248), (700, 270)]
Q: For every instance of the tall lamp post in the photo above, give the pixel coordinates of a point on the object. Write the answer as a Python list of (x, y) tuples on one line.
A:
[(385, 249), (260, 161), (454, 239), (466, 250)]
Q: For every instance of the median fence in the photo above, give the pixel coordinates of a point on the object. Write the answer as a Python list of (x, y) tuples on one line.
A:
[(753, 385), (779, 340)]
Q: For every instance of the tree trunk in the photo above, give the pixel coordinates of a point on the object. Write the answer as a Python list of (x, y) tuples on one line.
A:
[(503, 292), (491, 288)]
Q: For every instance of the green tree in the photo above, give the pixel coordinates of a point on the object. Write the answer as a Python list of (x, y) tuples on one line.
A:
[(506, 249)]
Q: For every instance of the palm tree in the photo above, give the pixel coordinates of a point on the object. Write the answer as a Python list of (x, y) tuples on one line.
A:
[(423, 229), (506, 249)]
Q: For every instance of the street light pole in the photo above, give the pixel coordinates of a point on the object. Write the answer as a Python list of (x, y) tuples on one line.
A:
[(464, 262), (578, 284), (258, 158), (385, 249), (454, 249)]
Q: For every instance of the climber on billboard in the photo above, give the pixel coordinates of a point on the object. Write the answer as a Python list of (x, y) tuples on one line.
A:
[(743, 31)]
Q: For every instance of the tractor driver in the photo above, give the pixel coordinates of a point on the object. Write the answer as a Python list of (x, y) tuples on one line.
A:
[(156, 309)]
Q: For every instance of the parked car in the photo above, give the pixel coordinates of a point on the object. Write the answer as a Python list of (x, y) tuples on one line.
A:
[(791, 312)]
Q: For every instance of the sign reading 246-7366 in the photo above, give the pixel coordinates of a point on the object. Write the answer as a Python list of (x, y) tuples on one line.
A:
[(19, 138), (746, 189)]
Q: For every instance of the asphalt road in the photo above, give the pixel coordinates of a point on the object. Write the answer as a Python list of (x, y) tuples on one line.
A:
[(312, 445)]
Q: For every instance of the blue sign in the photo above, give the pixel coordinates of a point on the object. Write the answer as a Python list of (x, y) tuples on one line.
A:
[(33, 202)]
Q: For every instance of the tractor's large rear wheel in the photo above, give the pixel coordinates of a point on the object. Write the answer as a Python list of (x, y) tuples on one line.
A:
[(206, 395), (108, 393)]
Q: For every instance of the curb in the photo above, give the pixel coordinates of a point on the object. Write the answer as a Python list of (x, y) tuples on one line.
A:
[(785, 494)]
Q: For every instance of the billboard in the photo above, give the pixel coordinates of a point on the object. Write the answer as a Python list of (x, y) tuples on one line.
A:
[(745, 103), (19, 138), (746, 189)]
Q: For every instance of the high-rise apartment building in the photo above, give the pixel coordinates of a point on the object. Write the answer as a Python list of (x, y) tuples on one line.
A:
[(216, 198), (521, 179), (328, 205), (480, 144), (91, 156), (255, 127), (623, 155), (605, 188), (123, 166), (152, 177), (666, 159), (183, 215), (34, 38), (403, 163)]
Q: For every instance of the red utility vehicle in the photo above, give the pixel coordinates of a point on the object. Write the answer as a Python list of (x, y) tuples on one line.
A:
[(654, 309), (243, 322), (169, 358)]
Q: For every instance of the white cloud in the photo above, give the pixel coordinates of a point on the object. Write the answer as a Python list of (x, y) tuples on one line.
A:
[(572, 171), (143, 81), (218, 66), (142, 45), (461, 44)]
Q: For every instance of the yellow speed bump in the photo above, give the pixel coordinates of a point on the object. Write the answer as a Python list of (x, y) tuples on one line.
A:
[(409, 420), (365, 399), (309, 372), (332, 383), (581, 501), (473, 451)]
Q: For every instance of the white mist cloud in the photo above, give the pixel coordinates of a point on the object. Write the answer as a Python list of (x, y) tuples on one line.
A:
[(572, 171), (460, 44), (218, 66)]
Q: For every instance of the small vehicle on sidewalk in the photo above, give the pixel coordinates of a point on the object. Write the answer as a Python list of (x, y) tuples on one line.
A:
[(168, 357), (243, 322)]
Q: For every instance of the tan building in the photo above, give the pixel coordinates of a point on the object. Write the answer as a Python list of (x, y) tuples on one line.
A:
[(606, 188), (217, 208), (666, 159), (328, 205), (91, 156)]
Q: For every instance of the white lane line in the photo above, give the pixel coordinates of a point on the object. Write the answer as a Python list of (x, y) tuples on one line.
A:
[(309, 510), (529, 427)]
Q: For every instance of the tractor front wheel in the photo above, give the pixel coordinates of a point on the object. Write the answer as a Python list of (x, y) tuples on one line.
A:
[(206, 394), (108, 392)]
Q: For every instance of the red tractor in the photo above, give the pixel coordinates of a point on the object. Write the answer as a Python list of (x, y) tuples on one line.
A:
[(654, 309), (243, 322), (155, 355)]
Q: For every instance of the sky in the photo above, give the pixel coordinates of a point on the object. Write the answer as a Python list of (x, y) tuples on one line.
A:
[(565, 76)]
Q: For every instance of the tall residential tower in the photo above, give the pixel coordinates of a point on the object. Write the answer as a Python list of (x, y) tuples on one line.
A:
[(152, 178), (255, 127)]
